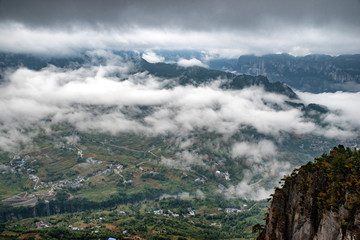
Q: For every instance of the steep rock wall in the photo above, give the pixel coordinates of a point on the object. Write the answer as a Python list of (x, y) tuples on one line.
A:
[(304, 209)]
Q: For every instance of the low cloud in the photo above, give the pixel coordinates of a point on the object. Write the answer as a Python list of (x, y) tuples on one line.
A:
[(261, 160), (247, 190), (107, 94), (152, 57), (254, 151), (183, 160), (190, 63), (184, 195), (73, 139), (344, 107), (92, 98)]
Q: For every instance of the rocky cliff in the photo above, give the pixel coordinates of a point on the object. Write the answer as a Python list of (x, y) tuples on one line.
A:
[(313, 73), (319, 201)]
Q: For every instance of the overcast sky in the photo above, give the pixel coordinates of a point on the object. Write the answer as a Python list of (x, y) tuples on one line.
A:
[(226, 27)]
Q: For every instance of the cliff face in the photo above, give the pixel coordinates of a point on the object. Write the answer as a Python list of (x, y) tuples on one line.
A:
[(319, 201), (313, 73)]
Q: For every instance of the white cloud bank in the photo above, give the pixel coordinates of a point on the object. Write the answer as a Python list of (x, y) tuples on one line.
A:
[(343, 103), (222, 43), (248, 190), (152, 57), (190, 62), (261, 159), (67, 94), (94, 98), (254, 152)]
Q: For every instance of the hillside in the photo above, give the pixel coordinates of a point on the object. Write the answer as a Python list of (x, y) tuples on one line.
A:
[(311, 73), (320, 200), (106, 133)]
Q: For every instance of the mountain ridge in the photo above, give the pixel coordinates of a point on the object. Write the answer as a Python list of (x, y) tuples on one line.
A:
[(314, 73), (186, 75)]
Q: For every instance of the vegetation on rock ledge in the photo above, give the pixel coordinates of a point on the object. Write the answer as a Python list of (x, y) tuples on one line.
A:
[(320, 192)]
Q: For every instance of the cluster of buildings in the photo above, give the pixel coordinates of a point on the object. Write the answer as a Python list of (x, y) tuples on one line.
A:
[(233, 210), (215, 224), (74, 228), (236, 210), (17, 165), (43, 224), (73, 183), (115, 168), (225, 175), (92, 161), (320, 144), (168, 213)]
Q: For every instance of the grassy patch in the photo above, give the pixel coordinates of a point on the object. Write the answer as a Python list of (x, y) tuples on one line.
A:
[(97, 194), (11, 185)]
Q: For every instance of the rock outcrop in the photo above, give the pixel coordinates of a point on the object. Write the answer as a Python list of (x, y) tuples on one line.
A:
[(318, 201)]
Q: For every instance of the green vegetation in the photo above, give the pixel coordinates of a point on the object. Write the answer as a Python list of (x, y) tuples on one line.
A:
[(342, 171), (14, 184), (210, 221), (100, 172), (332, 181)]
